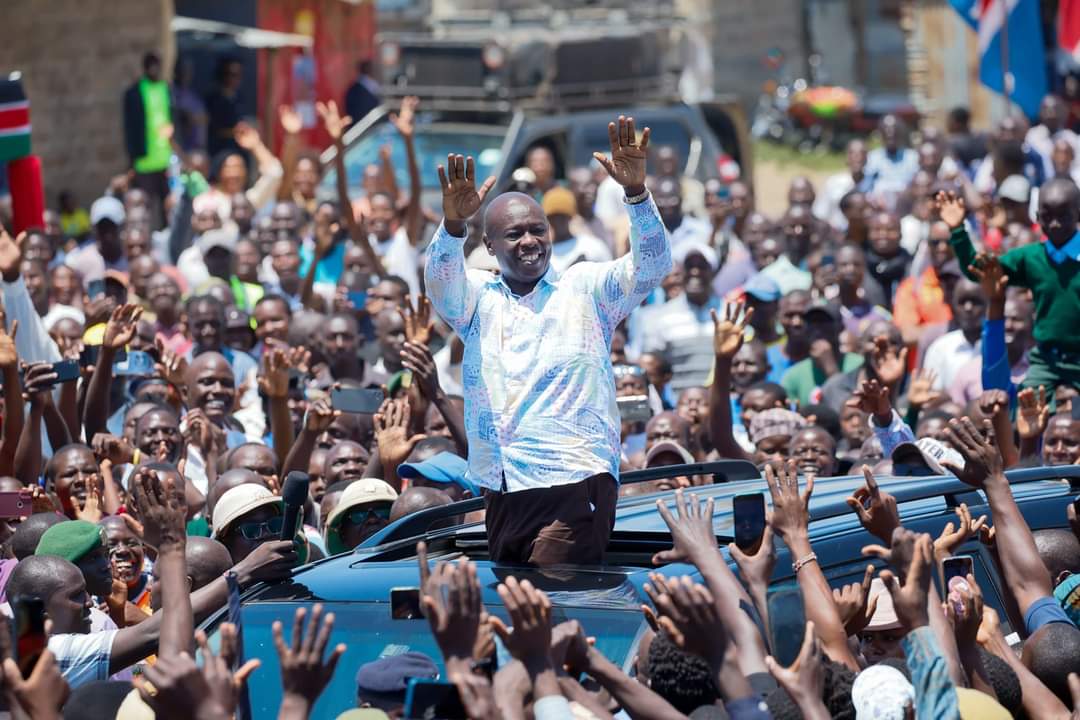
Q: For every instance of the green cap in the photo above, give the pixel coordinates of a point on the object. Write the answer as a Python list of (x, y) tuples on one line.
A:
[(71, 540)]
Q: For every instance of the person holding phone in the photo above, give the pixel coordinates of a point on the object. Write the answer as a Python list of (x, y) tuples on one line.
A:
[(540, 408)]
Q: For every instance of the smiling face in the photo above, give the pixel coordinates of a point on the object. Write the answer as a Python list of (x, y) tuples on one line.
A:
[(1061, 441), (814, 451), (211, 386), (883, 232), (380, 219), (272, 320), (125, 549), (517, 234), (157, 435), (76, 472), (345, 461)]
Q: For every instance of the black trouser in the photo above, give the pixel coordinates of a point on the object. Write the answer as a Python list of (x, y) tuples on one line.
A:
[(554, 525)]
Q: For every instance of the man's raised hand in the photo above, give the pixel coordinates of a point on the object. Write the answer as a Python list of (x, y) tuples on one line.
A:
[(728, 333), (627, 163), (461, 199)]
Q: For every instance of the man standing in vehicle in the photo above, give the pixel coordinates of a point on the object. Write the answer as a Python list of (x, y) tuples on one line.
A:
[(540, 407)]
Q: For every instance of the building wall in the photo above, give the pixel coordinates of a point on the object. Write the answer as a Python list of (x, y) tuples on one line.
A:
[(77, 57), (740, 32)]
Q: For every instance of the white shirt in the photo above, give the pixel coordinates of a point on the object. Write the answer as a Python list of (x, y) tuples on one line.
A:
[(691, 228), (584, 248), (827, 204), (947, 355), (540, 404), (449, 374), (83, 658), (399, 258)]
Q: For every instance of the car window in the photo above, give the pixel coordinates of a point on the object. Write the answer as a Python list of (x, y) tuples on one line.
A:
[(433, 143), (662, 131), (369, 633)]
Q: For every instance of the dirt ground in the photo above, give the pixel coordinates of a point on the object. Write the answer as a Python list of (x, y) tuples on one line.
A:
[(771, 180)]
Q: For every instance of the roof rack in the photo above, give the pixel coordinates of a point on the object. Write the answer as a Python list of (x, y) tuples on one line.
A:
[(418, 524)]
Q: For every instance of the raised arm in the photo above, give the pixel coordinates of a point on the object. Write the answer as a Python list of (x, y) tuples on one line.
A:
[(33, 343), (265, 188), (405, 122), (629, 280), (952, 210), (118, 332), (995, 356), (14, 410), (448, 286), (335, 126), (292, 124), (728, 337)]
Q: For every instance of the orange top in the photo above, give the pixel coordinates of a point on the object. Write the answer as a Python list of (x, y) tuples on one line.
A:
[(920, 301)]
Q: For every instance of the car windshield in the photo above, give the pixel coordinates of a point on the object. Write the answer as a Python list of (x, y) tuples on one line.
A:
[(369, 634), (433, 143)]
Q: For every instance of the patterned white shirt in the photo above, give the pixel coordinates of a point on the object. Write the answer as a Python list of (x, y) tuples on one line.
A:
[(539, 389)]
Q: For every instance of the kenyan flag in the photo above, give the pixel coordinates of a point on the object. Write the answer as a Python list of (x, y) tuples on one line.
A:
[(14, 120)]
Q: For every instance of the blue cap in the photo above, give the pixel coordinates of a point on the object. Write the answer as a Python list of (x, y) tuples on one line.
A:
[(762, 287), (444, 467), (392, 674)]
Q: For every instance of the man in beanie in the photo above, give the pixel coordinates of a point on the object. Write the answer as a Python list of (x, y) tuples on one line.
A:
[(81, 544), (382, 683)]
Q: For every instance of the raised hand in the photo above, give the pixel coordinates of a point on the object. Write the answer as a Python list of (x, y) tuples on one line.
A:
[(121, 326), (910, 598), (224, 685), (728, 333), (405, 120), (161, 507), (461, 199), (964, 609), (692, 533), (246, 136), (291, 122), (872, 398), (9, 356), (1033, 413), (392, 432), (304, 672), (90, 510), (954, 535), (791, 509), (320, 415), (982, 460), (38, 380), (173, 366), (921, 390), (418, 359), (43, 693), (757, 568), (888, 364), (529, 640), (876, 508), (274, 379), (688, 615), (333, 121), (418, 323), (988, 271), (854, 604), (116, 450), (991, 402), (627, 163), (11, 253), (804, 680), (452, 603), (950, 208)]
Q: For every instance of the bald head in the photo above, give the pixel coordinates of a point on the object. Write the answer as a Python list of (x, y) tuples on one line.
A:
[(415, 499), (28, 534), (207, 560), (508, 204)]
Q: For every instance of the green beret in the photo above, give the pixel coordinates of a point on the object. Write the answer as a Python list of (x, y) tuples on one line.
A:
[(71, 540)]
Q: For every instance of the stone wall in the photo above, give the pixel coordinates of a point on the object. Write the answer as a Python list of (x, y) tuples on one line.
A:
[(77, 57)]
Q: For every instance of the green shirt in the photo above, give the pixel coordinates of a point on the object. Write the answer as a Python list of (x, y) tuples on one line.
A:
[(804, 378), (1055, 287), (155, 98)]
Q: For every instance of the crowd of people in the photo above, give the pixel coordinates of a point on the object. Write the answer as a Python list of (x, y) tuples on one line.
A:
[(171, 355)]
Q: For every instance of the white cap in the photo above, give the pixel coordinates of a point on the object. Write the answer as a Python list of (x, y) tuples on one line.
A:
[(686, 248), (107, 208), (239, 501), (934, 453), (359, 492), (881, 692), (669, 446), (216, 237), (1016, 188)]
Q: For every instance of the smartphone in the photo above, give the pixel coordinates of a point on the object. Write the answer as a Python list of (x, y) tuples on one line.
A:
[(30, 640), (95, 289), (634, 408), (15, 505), (358, 298), (787, 623), (405, 603), (956, 566), (137, 363), (362, 401), (88, 355), (430, 699), (66, 371), (749, 512)]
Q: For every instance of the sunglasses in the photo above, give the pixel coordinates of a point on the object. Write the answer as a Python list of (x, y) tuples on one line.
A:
[(261, 530), (359, 516)]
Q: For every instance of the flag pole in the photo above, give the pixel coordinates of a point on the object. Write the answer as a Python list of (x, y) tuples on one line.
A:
[(1005, 80)]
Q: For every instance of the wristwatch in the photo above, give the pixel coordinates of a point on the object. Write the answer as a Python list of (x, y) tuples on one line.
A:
[(640, 197)]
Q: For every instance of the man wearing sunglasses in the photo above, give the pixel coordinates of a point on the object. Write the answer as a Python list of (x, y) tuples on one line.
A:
[(245, 517), (363, 510)]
